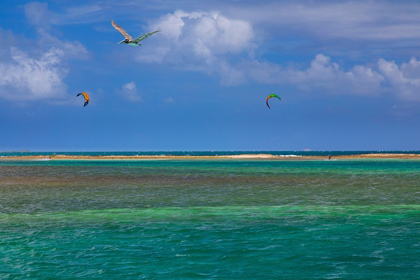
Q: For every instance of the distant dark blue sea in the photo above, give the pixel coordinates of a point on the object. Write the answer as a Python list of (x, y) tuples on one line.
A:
[(218, 219), (201, 153)]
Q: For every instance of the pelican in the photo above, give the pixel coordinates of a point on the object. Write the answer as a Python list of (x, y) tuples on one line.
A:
[(128, 39)]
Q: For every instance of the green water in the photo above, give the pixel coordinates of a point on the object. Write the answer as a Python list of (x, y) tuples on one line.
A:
[(224, 219)]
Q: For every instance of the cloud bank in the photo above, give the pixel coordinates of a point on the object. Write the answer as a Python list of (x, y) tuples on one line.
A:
[(218, 45), (225, 44)]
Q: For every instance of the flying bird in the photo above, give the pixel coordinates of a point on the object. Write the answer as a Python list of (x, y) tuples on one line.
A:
[(128, 39)]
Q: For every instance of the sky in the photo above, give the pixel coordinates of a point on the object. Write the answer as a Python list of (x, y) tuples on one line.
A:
[(347, 72)]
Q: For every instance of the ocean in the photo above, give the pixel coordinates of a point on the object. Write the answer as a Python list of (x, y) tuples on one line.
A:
[(219, 219)]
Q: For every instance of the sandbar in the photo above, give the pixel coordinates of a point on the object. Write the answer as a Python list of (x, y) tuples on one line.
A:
[(239, 156)]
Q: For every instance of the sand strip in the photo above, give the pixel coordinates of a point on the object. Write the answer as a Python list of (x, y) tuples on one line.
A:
[(243, 156)]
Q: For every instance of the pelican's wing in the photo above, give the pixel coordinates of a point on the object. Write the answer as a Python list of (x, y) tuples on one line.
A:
[(142, 37), (122, 31)]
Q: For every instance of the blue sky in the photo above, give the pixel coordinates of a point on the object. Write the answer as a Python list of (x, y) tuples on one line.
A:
[(347, 73)]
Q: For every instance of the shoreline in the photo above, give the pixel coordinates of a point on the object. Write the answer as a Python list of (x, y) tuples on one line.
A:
[(241, 156)]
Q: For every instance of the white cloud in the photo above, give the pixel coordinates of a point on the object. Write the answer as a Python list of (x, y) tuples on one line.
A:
[(367, 20), (330, 76), (27, 78), (321, 74), (129, 91), (404, 80), (197, 39), (200, 41)]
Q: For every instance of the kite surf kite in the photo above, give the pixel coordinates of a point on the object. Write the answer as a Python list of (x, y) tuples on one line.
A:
[(270, 96), (86, 96), (128, 39)]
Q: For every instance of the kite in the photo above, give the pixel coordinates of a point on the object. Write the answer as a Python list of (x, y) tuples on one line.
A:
[(271, 95), (128, 39), (86, 96)]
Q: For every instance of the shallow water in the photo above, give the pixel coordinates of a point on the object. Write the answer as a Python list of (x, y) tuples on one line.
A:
[(242, 219)]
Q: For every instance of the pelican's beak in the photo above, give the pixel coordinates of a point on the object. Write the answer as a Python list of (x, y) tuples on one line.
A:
[(121, 42)]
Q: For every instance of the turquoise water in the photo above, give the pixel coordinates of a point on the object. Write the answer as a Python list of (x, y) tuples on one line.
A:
[(199, 219)]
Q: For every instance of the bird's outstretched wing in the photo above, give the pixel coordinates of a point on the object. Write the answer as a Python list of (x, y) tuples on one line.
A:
[(144, 36), (122, 31)]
